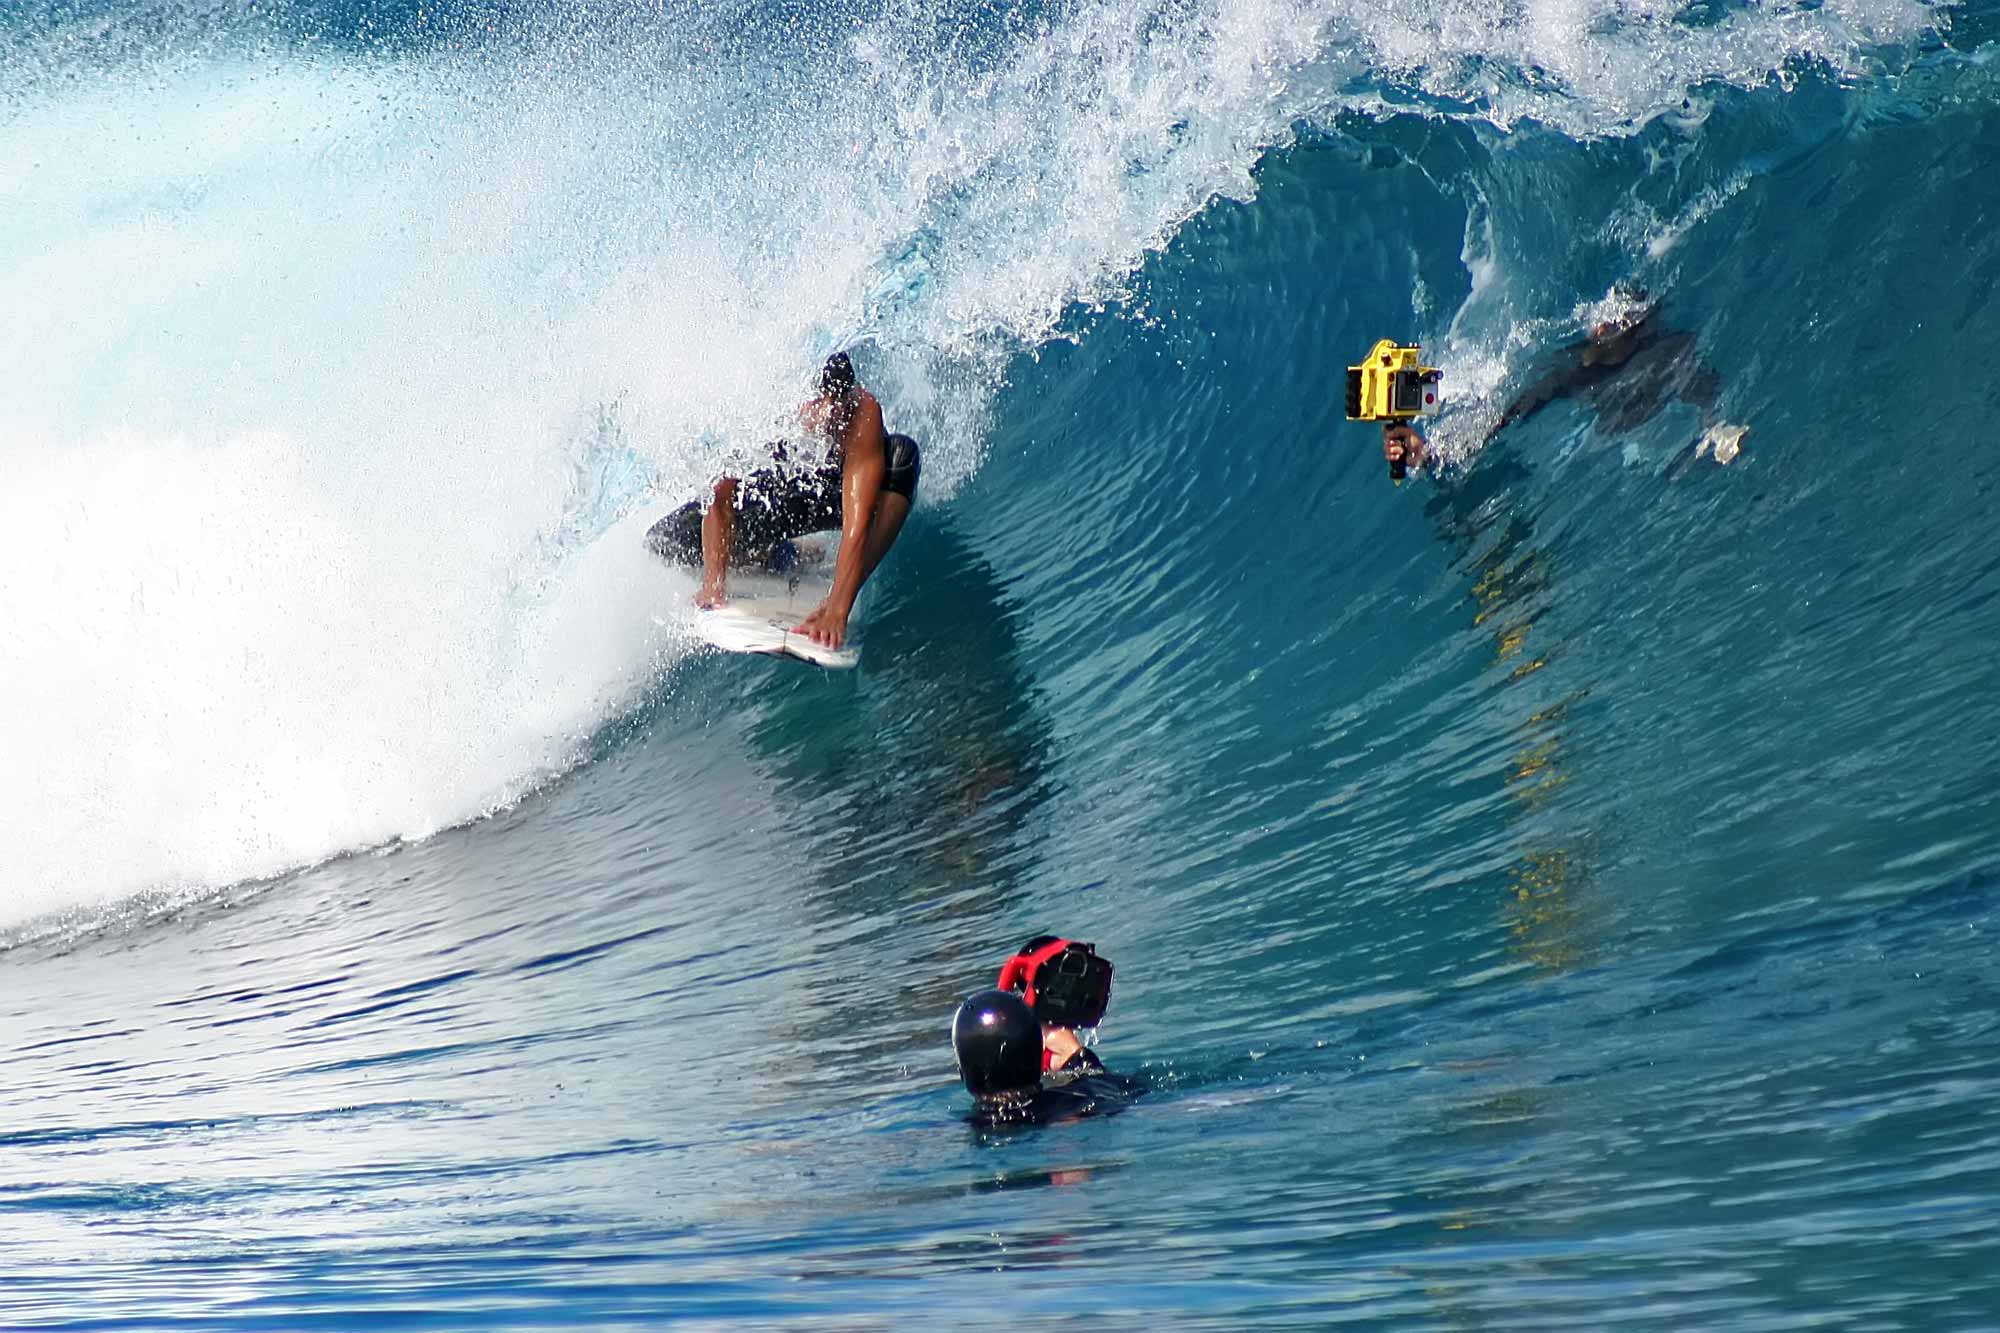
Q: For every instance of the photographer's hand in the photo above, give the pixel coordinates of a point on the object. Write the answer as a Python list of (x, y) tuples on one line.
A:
[(1402, 447)]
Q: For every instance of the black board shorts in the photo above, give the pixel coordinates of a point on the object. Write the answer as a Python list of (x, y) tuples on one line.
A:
[(773, 505)]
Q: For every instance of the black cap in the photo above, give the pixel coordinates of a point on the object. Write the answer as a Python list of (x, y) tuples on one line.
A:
[(837, 376), (997, 1043)]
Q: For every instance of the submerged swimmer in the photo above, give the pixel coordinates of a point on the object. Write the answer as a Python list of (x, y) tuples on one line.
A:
[(1629, 369), (864, 485)]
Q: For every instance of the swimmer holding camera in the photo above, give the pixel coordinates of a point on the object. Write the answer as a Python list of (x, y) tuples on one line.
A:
[(1018, 1046)]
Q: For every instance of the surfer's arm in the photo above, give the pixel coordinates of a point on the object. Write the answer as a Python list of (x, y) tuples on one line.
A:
[(718, 531), (860, 488), (865, 462)]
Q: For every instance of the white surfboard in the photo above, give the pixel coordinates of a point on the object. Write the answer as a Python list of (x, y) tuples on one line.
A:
[(763, 611)]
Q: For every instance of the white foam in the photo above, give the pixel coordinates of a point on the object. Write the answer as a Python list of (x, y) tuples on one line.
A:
[(281, 474), (1592, 67), (215, 671)]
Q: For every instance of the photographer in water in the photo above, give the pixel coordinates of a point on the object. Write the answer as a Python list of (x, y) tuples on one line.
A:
[(1018, 1049), (1628, 369)]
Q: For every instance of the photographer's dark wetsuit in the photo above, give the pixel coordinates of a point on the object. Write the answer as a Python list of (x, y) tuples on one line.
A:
[(1083, 1061), (1627, 373), (778, 503), (1090, 1094)]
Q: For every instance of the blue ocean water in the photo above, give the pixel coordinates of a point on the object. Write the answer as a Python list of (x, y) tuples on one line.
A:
[(1555, 892)]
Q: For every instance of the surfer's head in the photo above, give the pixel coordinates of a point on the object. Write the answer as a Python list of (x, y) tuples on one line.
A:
[(836, 377), (998, 1045)]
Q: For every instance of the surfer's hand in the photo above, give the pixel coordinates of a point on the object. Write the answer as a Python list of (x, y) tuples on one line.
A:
[(826, 626)]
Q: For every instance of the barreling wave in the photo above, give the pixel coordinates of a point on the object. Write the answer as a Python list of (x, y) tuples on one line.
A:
[(352, 344)]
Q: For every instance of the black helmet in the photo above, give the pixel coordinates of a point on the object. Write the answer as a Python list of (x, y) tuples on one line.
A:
[(997, 1043), (836, 378)]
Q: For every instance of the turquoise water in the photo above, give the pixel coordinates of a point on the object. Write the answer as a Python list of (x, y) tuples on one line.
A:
[(1559, 892)]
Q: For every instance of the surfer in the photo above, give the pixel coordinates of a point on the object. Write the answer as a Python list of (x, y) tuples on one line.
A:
[(999, 1048), (864, 485)]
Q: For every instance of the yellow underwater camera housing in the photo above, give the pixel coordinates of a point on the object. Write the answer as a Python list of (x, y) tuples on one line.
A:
[(1393, 384)]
